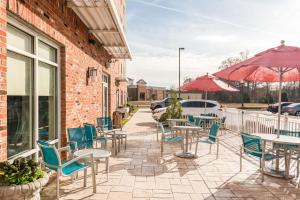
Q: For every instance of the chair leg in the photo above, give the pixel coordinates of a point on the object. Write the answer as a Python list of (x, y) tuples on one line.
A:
[(107, 167), (210, 148), (241, 158), (161, 147), (298, 164), (262, 169), (125, 142), (57, 184), (84, 177), (217, 149)]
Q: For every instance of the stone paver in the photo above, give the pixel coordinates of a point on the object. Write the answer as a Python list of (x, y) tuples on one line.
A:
[(141, 173)]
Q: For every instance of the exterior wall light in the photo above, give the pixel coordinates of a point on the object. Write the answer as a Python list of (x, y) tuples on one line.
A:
[(91, 73)]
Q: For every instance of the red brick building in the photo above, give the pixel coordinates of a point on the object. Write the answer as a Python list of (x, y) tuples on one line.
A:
[(143, 92), (62, 63)]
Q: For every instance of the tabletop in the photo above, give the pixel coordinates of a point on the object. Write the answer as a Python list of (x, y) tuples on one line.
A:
[(284, 139), (177, 120), (117, 132), (205, 117), (97, 153), (193, 128)]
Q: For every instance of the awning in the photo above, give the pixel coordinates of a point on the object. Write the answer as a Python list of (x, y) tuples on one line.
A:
[(103, 21)]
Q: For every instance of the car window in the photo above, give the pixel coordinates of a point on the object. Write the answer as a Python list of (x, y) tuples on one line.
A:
[(210, 105), (187, 104)]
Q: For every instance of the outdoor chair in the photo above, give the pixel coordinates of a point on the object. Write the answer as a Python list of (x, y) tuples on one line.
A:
[(251, 145), (190, 120), (168, 136), (221, 123), (76, 139), (91, 136), (105, 126), (52, 160), (209, 138)]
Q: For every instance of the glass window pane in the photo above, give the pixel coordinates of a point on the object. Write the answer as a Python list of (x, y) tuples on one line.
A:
[(47, 101), (47, 52), (19, 39), (19, 101)]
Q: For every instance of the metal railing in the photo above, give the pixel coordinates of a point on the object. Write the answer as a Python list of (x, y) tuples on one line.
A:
[(259, 121)]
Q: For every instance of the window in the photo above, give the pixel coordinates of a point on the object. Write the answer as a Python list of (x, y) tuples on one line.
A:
[(30, 58), (210, 105)]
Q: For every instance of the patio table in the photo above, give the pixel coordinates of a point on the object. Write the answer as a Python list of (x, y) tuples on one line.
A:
[(116, 134), (285, 140), (97, 154), (185, 153)]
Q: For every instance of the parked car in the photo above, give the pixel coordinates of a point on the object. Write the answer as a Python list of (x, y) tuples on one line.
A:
[(293, 109), (194, 107), (273, 108), (162, 104)]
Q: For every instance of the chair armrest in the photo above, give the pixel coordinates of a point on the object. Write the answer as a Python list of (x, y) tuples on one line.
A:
[(78, 158), (66, 148), (72, 144)]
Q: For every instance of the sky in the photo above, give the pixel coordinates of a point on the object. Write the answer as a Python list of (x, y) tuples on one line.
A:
[(209, 30)]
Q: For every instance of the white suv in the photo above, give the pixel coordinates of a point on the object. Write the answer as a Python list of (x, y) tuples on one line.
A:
[(194, 107)]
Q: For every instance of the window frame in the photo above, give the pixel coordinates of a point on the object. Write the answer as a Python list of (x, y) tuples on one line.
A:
[(37, 36)]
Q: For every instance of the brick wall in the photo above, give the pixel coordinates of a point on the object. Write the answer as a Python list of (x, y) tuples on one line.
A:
[(3, 87), (81, 99)]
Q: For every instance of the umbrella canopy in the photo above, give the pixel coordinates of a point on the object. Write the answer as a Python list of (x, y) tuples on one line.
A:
[(208, 83), (267, 66), (279, 64)]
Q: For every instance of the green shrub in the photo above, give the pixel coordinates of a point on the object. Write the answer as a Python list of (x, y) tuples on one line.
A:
[(19, 172), (174, 111)]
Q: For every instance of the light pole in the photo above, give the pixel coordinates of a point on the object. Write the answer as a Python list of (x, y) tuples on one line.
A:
[(181, 48)]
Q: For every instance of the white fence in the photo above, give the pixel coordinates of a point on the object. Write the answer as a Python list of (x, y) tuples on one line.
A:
[(259, 122)]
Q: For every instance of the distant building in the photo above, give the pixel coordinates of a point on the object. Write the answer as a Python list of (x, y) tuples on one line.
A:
[(142, 92), (186, 94)]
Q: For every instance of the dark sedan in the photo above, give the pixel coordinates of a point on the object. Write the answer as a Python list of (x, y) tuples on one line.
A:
[(293, 109), (274, 107)]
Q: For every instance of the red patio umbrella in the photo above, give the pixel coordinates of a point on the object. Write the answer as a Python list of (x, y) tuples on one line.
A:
[(208, 83), (279, 64)]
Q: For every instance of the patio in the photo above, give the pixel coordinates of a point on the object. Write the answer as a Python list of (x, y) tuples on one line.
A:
[(140, 172)]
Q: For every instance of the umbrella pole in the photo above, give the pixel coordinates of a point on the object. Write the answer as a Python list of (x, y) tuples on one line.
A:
[(279, 102), (205, 102)]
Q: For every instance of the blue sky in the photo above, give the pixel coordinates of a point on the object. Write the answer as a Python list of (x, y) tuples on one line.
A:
[(210, 30)]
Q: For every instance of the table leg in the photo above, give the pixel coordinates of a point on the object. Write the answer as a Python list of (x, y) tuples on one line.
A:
[(287, 165), (107, 167), (186, 141)]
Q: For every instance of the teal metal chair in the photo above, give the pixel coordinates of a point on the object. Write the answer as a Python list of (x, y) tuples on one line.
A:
[(168, 136), (90, 132), (251, 145), (52, 160), (76, 139), (105, 125), (190, 120), (209, 138)]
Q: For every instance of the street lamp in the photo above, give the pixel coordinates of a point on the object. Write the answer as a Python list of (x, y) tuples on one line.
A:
[(180, 49)]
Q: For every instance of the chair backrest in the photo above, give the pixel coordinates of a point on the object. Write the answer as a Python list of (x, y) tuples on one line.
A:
[(90, 133), (213, 132), (288, 133), (252, 144), (50, 155), (199, 122), (191, 119), (105, 123), (76, 135), (162, 128), (223, 119)]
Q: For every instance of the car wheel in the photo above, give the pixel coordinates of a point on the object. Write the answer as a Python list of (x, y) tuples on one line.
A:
[(297, 113)]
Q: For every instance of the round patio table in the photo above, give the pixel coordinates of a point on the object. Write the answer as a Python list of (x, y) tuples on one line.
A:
[(185, 153), (97, 154), (282, 140)]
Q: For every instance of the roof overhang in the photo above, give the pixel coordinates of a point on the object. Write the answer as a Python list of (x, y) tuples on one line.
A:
[(103, 21)]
